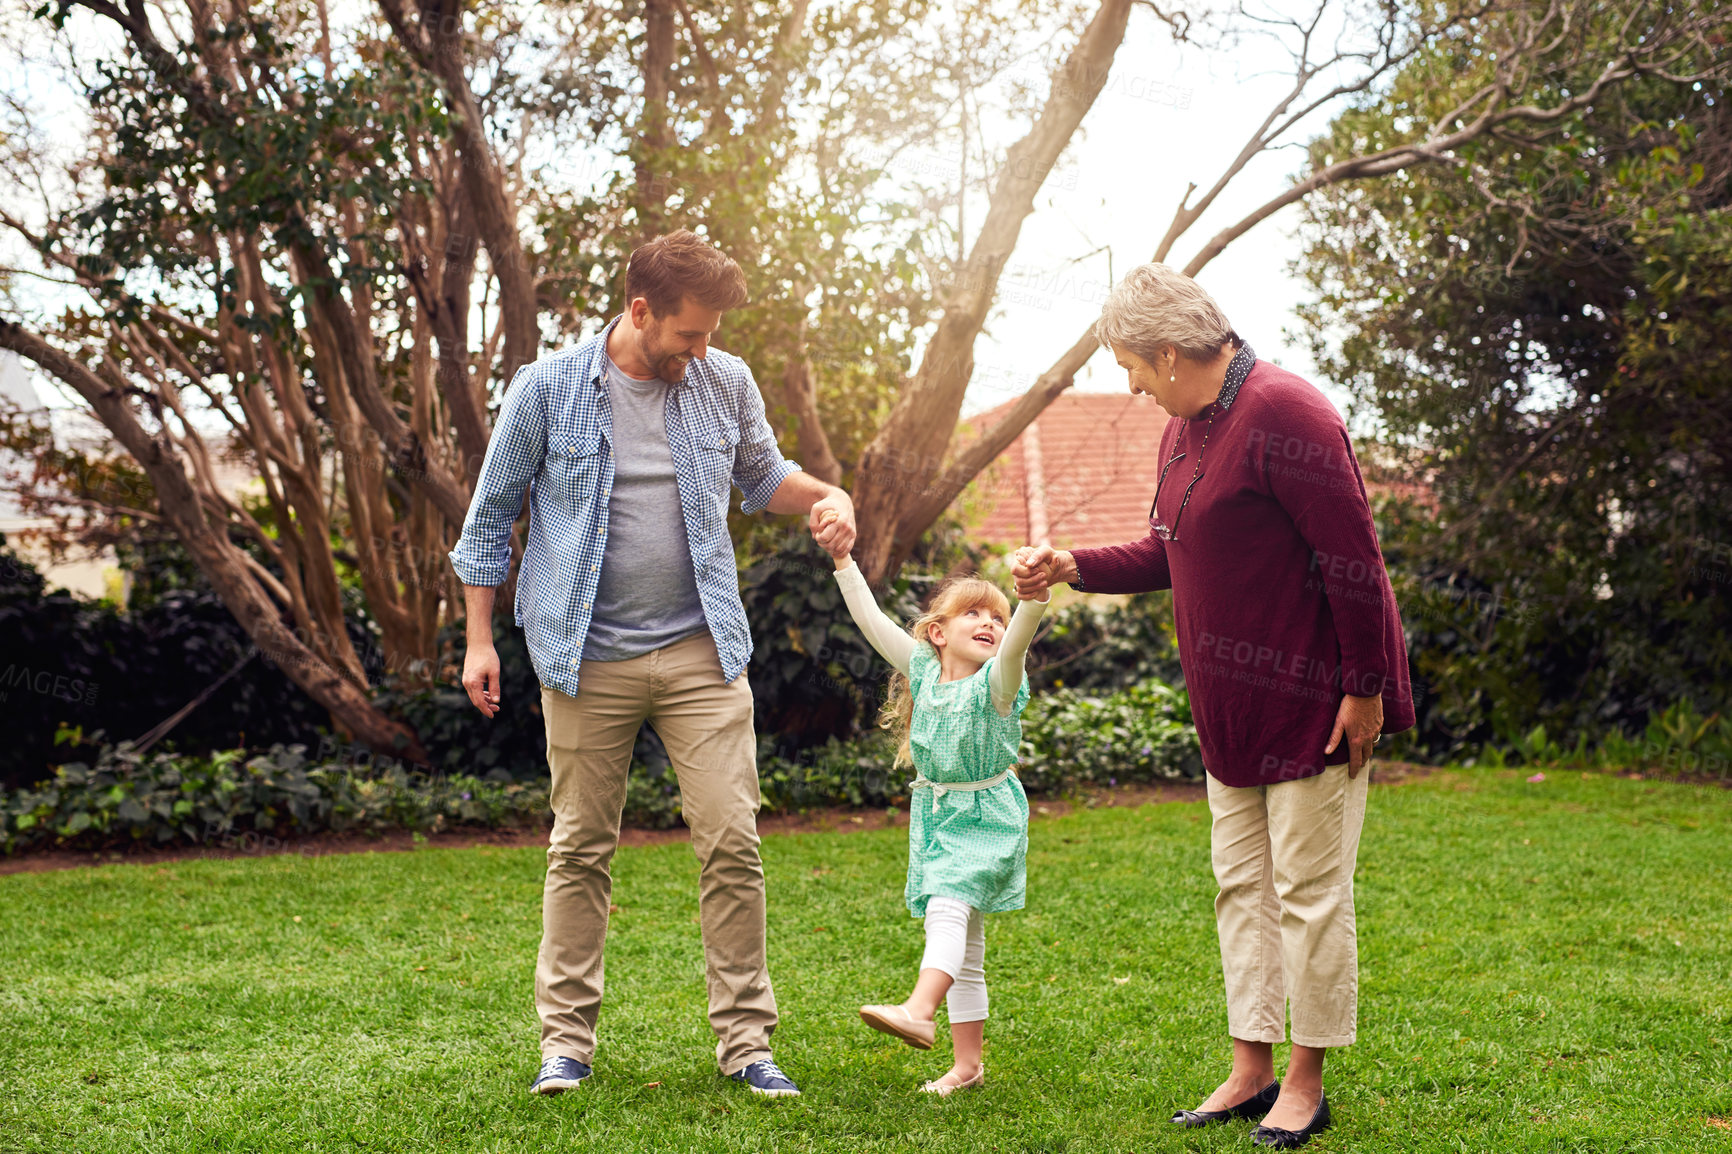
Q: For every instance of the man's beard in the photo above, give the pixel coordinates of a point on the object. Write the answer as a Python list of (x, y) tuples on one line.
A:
[(670, 367)]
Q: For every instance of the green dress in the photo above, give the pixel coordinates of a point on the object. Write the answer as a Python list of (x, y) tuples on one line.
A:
[(974, 847)]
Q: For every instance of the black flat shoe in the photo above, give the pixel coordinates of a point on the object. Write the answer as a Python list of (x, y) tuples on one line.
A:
[(1276, 1138), (1255, 1106)]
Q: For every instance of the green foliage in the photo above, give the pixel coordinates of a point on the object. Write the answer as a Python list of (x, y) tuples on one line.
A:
[(459, 738), (1676, 741), (1142, 734), (91, 497), (815, 678), (1536, 335), (813, 674), (1070, 740), (851, 772), (839, 262), (1104, 644), (195, 157), (65, 661), (124, 798)]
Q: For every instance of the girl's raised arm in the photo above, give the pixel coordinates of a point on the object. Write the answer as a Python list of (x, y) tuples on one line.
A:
[(891, 640), (1007, 670)]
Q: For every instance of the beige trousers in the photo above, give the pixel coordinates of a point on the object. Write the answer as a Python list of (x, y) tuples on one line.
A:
[(1284, 856), (706, 724)]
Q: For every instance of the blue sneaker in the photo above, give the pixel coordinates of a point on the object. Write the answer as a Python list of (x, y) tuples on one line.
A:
[(766, 1078), (558, 1075)]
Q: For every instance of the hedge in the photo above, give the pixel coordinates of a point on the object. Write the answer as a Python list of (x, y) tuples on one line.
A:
[(160, 798)]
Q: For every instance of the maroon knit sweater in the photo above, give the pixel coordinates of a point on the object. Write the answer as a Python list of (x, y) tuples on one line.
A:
[(1279, 590)]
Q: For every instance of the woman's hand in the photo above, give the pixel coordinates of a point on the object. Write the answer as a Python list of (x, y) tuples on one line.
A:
[(1038, 568), (1360, 720)]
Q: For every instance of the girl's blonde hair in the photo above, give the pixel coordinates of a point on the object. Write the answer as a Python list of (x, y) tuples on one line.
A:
[(956, 596)]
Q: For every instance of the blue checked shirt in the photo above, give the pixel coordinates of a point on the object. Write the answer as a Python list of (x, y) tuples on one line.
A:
[(555, 436)]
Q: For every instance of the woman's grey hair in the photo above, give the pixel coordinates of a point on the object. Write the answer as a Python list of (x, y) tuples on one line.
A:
[(1154, 306)]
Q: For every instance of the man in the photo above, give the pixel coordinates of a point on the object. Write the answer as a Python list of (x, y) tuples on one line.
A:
[(630, 603)]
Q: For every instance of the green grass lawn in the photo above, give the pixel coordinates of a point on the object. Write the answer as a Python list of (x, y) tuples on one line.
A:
[(1544, 967)]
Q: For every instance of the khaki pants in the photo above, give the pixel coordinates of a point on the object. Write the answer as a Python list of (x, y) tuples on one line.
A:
[(706, 724), (1284, 856)]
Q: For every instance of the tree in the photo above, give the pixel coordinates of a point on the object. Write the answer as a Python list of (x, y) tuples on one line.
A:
[(1538, 334), (246, 194), (334, 244), (1498, 56), (317, 243)]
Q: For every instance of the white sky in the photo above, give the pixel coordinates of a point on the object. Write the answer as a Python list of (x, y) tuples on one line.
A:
[(1119, 184), (1169, 114)]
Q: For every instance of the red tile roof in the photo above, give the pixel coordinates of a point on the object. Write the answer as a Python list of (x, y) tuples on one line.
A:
[(1097, 453)]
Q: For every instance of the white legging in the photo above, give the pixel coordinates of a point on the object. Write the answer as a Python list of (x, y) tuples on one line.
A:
[(956, 944)]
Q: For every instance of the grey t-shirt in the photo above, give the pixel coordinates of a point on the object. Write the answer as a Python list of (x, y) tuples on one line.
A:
[(648, 595)]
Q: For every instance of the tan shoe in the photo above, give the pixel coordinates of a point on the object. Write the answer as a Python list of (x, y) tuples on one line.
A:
[(944, 1091), (896, 1021)]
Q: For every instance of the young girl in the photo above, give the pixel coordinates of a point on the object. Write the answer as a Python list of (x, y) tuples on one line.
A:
[(957, 706)]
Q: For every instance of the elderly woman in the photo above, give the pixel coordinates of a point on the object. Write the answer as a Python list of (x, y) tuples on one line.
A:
[(1294, 658)]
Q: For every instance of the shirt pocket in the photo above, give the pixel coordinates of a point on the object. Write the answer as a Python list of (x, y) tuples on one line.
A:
[(573, 468), (716, 451)]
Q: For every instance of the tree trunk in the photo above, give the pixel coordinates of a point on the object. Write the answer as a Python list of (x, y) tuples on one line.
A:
[(919, 498), (490, 204), (800, 394), (654, 132), (354, 355), (899, 466), (218, 559)]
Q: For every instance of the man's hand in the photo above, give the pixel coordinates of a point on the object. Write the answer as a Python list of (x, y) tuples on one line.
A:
[(481, 678), (1360, 720), (801, 492), (1037, 568), (832, 523), (480, 659)]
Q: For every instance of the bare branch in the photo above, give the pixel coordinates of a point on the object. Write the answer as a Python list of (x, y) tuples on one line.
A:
[(226, 566), (924, 418), (1654, 56)]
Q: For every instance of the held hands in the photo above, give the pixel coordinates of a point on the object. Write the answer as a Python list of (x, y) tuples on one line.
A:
[(1360, 720), (1037, 568), (842, 560), (832, 525)]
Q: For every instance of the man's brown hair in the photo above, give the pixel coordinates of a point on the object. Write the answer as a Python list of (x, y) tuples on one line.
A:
[(683, 264)]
